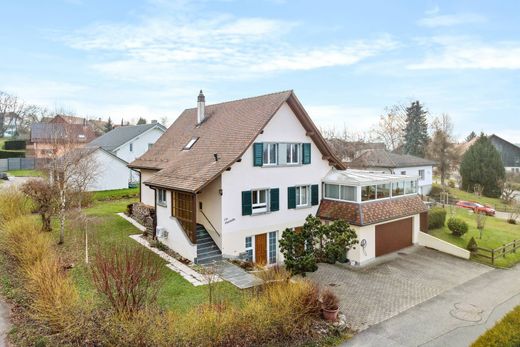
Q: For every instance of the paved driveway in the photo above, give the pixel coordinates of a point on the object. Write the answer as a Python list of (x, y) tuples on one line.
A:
[(398, 282), (14, 181)]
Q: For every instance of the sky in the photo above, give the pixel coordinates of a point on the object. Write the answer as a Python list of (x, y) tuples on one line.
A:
[(346, 60)]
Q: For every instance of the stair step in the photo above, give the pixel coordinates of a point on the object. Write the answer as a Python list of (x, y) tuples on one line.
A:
[(209, 259), (207, 248), (209, 253)]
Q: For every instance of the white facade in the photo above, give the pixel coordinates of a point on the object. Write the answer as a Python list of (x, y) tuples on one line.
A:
[(425, 179), (147, 193), (111, 173)]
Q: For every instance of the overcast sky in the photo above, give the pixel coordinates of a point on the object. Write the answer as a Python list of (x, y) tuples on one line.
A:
[(346, 60)]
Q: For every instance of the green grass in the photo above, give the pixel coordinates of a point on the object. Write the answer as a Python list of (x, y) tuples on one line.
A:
[(458, 194), (107, 228), (505, 333), (25, 173), (116, 194), (496, 232)]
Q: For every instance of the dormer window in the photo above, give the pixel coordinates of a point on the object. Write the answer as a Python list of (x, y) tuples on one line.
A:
[(190, 143)]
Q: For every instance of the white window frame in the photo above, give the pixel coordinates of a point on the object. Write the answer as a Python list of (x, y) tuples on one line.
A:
[(259, 207), (422, 175), (267, 149), (190, 143), (299, 197), (161, 197), (275, 233), (251, 247), (290, 160)]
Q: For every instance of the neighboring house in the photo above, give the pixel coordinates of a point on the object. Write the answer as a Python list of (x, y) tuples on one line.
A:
[(10, 124), (50, 139), (509, 152), (399, 164), (349, 150), (129, 143), (229, 178), (97, 125)]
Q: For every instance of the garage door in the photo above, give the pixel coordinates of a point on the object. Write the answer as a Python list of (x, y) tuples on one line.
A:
[(393, 236)]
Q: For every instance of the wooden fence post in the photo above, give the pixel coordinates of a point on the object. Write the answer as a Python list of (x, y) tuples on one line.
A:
[(493, 256)]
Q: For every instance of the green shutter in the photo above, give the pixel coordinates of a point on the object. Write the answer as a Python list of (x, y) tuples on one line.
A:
[(247, 209), (306, 153), (315, 198), (291, 197), (274, 199), (258, 154)]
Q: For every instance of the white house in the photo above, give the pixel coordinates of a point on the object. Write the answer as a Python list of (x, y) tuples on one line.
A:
[(228, 179), (128, 143), (399, 164)]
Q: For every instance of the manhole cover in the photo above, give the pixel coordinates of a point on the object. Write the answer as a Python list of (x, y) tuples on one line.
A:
[(402, 253), (333, 285), (466, 312)]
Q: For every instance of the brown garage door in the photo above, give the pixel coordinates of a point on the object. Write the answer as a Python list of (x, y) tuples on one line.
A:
[(393, 236)]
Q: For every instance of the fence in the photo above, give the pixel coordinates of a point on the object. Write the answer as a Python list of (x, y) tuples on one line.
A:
[(21, 164), (493, 254)]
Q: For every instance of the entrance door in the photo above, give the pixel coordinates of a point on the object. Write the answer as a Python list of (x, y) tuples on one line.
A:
[(261, 249), (393, 236)]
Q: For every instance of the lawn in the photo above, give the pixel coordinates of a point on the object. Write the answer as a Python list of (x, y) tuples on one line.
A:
[(496, 233), (116, 194), (458, 194), (504, 334), (109, 229), (25, 173)]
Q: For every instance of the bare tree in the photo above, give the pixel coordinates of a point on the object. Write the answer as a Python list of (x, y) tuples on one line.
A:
[(391, 125), (509, 194), (442, 146), (480, 218)]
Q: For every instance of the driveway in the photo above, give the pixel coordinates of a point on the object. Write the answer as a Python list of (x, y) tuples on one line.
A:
[(398, 282), (14, 181)]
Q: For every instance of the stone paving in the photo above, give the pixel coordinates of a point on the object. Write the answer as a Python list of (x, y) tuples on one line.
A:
[(375, 293)]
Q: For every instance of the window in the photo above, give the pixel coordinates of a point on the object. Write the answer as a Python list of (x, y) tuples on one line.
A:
[(249, 248), (259, 201), (183, 208), (293, 153), (270, 153), (190, 143), (383, 190), (368, 193), (150, 145), (421, 175), (302, 196), (131, 147), (272, 247), (332, 191), (397, 188), (161, 197), (403, 173), (410, 187), (348, 193)]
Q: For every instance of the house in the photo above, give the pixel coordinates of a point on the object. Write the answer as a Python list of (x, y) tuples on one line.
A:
[(50, 139), (10, 124), (509, 152), (399, 164), (97, 125), (384, 209), (227, 179), (349, 150), (128, 143)]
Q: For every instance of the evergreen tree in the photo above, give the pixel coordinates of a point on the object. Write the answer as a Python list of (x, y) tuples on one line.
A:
[(416, 130), (482, 165), (109, 126), (471, 136), (141, 121)]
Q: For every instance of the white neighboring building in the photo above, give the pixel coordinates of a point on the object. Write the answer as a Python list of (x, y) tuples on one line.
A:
[(128, 143), (399, 164)]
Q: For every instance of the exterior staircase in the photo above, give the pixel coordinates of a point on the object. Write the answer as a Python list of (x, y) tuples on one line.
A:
[(207, 250)]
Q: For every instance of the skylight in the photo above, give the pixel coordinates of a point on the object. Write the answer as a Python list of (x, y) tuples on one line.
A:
[(191, 143)]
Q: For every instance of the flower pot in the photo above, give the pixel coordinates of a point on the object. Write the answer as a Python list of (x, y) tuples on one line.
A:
[(330, 315)]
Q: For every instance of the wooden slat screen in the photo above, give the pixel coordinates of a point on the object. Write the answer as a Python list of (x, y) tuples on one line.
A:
[(183, 208)]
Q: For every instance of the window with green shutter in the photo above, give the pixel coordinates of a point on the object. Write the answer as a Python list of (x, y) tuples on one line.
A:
[(306, 153), (247, 208), (291, 197), (315, 198), (274, 199), (258, 153)]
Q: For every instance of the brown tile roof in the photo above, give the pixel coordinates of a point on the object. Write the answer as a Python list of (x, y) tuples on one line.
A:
[(371, 212), (385, 159), (50, 132), (228, 130)]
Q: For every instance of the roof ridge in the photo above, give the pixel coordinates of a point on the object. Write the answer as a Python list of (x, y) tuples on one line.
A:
[(247, 98)]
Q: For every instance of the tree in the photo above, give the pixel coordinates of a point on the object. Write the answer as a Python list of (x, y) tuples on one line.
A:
[(416, 130), (480, 218), (390, 128), (43, 195), (441, 149), (482, 165), (141, 121), (109, 126), (471, 136)]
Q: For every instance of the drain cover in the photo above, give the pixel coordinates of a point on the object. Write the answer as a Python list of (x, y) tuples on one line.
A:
[(333, 285), (401, 253), (466, 312)]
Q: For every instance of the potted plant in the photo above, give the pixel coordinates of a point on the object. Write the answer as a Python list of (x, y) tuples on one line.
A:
[(329, 305)]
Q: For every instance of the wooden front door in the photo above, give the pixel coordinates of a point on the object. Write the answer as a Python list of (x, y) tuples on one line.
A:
[(261, 249), (393, 236)]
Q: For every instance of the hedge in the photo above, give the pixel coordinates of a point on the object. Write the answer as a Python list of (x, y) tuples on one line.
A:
[(504, 334), (457, 226), (436, 218), (15, 144), (11, 154)]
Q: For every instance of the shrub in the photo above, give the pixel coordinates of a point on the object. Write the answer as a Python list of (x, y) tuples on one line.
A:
[(457, 226), (472, 245), (44, 196), (511, 221), (436, 191), (13, 204), (10, 154), (127, 277), (436, 218), (451, 183), (15, 144), (329, 300)]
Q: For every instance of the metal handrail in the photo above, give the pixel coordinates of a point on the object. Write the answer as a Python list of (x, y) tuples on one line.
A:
[(214, 229)]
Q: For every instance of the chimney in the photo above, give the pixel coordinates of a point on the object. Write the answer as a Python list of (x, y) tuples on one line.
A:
[(201, 100)]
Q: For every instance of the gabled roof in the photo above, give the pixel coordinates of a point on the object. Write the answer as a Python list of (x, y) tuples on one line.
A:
[(371, 212), (117, 137), (385, 159), (48, 132), (509, 152), (228, 130)]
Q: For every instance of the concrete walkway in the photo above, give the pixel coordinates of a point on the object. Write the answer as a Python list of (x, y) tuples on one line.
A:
[(5, 324), (237, 276), (456, 317)]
